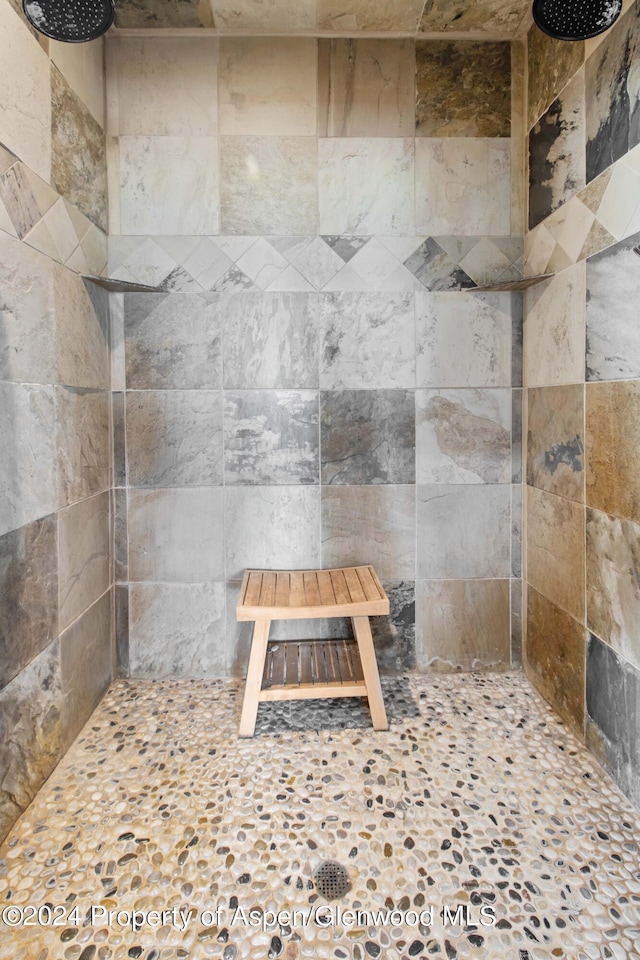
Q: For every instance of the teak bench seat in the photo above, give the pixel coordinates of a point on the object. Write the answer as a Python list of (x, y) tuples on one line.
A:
[(309, 669)]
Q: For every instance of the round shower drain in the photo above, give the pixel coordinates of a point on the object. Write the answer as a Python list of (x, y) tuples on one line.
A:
[(331, 880)]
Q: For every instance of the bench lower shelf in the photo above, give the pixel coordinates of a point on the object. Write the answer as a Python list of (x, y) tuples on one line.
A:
[(305, 669)]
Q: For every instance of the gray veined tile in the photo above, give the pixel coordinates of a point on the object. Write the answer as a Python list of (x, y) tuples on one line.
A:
[(347, 280), (82, 331), (290, 280), (54, 235), (85, 555), (435, 269), (179, 281), (19, 200), (346, 247), (234, 279), (316, 261), (394, 637), (613, 338), (145, 260), (207, 263), (375, 264), (83, 443), (85, 666), (262, 263)]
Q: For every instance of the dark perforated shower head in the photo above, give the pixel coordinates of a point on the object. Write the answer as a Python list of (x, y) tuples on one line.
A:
[(72, 21), (575, 19)]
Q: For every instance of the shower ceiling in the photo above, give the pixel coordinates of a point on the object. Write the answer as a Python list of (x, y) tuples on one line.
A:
[(490, 18)]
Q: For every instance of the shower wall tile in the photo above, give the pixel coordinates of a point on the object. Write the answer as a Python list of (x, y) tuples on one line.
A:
[(30, 733), (163, 87), (370, 524), (394, 637), (463, 340), (271, 437), (119, 440), (463, 88), (174, 438), (25, 94), (271, 527), (82, 66), (557, 152), (85, 666), (554, 331), (82, 331), (84, 555), (517, 339), (613, 578), (366, 186), (462, 625), (463, 436), (268, 186), (190, 13), (28, 594), (288, 15), (368, 436), (516, 435), (268, 86), (120, 535), (516, 529), (177, 630), (27, 470), (169, 185), (555, 440), (367, 338), (122, 630), (613, 424), (464, 532), (556, 657), (476, 16), (613, 336), (435, 268), (516, 622), (551, 64), (83, 443), (172, 342), (373, 15), (366, 88), (78, 153), (270, 340), (176, 535), (477, 200), (555, 550)]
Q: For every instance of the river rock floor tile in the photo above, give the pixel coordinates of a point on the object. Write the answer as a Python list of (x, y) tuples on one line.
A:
[(477, 800)]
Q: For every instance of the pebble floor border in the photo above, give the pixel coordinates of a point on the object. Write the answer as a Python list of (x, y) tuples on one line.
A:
[(477, 797)]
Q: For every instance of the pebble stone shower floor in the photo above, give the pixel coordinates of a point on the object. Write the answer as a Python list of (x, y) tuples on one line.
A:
[(476, 796)]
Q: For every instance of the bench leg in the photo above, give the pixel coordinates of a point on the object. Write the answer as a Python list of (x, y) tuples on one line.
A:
[(362, 631), (253, 682)]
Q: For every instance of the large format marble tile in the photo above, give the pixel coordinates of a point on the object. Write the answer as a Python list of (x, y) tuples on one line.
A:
[(28, 461), (557, 152), (366, 186), (463, 88), (368, 436), (30, 733), (612, 442), (463, 186), (367, 338), (268, 185), (612, 701), (613, 583), (172, 342), (27, 324), (25, 94), (462, 625), (85, 666), (474, 16), (374, 15), (463, 436), (176, 534), (177, 630), (555, 440), (169, 185), (255, 15), (271, 437), (555, 549), (78, 156), (613, 94), (271, 527), (613, 335), (464, 531), (554, 329), (365, 88), (463, 340), (370, 524), (83, 443), (82, 66), (270, 340), (174, 438), (84, 555), (268, 86), (555, 657), (551, 64), (28, 594), (82, 331), (163, 86)]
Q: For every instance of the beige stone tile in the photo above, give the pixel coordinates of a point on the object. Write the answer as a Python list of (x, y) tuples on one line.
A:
[(268, 86), (281, 15), (475, 16), (84, 555), (555, 657), (348, 15), (554, 329), (555, 440), (82, 337), (462, 625), (365, 88), (519, 173), (555, 549), (82, 66), (551, 64), (620, 200), (613, 441)]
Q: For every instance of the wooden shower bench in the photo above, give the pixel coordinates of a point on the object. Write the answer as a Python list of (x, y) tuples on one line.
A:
[(309, 669)]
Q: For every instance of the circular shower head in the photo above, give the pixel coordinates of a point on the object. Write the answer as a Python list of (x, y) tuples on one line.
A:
[(575, 19), (72, 21)]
